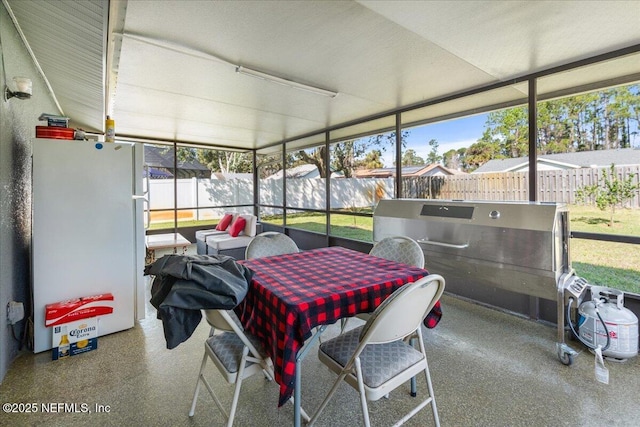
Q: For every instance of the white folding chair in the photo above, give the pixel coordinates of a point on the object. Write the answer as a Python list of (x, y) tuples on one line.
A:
[(270, 243), (394, 248), (237, 355), (401, 249), (375, 359)]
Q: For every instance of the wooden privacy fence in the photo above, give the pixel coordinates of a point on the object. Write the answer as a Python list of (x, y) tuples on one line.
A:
[(553, 185)]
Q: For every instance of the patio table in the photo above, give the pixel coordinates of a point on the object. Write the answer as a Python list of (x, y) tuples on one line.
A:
[(292, 294), (164, 241)]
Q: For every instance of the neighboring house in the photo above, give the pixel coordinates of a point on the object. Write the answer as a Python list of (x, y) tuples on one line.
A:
[(155, 173), (581, 159), (433, 169), (307, 171), (159, 163), (303, 171)]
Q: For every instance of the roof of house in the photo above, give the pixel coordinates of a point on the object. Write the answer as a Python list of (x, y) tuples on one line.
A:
[(420, 170), (304, 171), (580, 159), (161, 160), (156, 173), (301, 171)]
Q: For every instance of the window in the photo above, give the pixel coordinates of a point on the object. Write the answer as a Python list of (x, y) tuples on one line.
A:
[(589, 159), (363, 171), (447, 142), (206, 183), (306, 184)]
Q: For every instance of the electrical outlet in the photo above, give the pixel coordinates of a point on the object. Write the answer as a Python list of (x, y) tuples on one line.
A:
[(15, 312)]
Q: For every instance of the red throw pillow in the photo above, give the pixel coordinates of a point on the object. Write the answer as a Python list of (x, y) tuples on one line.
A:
[(224, 222), (237, 226)]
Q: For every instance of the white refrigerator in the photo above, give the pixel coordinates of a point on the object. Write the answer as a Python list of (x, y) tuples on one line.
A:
[(87, 230)]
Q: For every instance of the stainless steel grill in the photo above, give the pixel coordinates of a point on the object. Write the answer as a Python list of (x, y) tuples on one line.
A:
[(522, 247)]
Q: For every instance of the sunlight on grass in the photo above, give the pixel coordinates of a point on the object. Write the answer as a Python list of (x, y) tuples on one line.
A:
[(618, 278), (615, 265), (589, 219)]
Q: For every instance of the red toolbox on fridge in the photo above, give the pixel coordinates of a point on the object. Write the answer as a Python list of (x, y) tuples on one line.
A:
[(54, 132)]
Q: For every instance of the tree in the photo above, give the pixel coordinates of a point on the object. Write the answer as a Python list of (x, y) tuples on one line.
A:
[(554, 133), (626, 108), (346, 154), (315, 157), (185, 154), (411, 158), (453, 159), (601, 120), (482, 151), (433, 156), (609, 192), (215, 160), (510, 128), (226, 161), (268, 164), (372, 160)]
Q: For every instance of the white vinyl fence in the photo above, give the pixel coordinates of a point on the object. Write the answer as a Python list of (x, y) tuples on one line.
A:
[(348, 193), (357, 193)]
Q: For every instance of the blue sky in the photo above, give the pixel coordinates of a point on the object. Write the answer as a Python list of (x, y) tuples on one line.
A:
[(451, 135)]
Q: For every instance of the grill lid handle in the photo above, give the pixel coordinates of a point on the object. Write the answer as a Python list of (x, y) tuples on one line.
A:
[(446, 245)]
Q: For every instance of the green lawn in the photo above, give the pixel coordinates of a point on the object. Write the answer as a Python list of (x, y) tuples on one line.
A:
[(615, 265), (593, 220), (347, 226)]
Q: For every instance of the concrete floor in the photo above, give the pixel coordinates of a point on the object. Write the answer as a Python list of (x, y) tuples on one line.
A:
[(489, 369)]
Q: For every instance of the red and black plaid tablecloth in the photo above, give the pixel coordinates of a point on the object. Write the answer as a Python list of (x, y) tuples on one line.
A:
[(291, 294)]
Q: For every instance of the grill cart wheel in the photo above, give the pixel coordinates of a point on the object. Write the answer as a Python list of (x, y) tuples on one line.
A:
[(565, 356)]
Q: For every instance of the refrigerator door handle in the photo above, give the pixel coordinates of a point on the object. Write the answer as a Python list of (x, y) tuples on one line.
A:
[(145, 199)]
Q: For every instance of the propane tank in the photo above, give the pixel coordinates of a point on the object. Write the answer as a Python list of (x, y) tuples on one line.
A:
[(620, 322)]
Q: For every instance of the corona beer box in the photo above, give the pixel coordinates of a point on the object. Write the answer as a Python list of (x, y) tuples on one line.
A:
[(75, 324), (74, 338)]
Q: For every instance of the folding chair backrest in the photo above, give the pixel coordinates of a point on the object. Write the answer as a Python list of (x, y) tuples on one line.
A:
[(400, 249), (270, 243), (403, 311), (216, 320)]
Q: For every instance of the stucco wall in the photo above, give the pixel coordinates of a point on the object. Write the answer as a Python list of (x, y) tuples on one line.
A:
[(18, 119)]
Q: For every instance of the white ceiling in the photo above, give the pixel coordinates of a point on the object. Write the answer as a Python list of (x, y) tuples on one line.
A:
[(170, 66)]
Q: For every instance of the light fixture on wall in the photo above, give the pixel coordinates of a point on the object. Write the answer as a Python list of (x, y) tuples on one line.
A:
[(285, 82), (24, 89)]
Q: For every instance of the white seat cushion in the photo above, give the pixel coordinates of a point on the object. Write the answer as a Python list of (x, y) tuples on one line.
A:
[(220, 243), (202, 234), (201, 238)]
